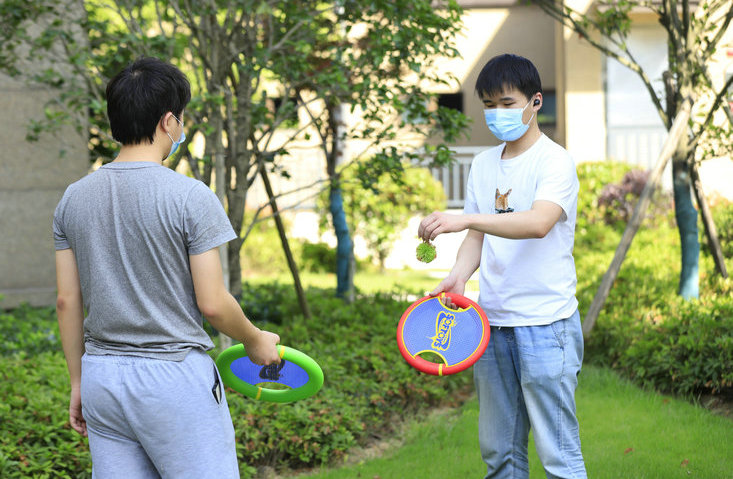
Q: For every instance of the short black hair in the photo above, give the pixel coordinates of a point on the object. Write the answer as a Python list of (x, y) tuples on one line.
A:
[(507, 71), (139, 96)]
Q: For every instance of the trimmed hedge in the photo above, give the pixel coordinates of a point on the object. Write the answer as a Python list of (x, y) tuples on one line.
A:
[(36, 439), (682, 347), (368, 387), (645, 329)]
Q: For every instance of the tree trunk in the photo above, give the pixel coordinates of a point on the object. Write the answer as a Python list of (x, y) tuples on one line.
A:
[(686, 216), (678, 128), (286, 245), (217, 153), (345, 262), (240, 161), (236, 197), (344, 245)]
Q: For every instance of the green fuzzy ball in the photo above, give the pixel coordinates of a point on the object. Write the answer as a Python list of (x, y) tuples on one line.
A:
[(425, 252)]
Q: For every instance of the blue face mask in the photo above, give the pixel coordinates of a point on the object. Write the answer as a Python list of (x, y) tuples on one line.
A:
[(175, 144), (506, 123)]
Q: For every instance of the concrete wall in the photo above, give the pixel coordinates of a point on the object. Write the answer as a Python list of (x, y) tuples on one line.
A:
[(580, 93), (33, 176)]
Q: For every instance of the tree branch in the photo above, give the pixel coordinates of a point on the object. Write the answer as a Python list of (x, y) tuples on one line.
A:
[(717, 103), (676, 22), (709, 48), (673, 44), (565, 17)]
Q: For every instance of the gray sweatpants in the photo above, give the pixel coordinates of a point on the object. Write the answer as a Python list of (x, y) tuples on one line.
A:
[(150, 418)]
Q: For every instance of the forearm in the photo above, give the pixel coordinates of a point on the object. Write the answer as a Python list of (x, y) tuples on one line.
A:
[(70, 313), (533, 223), (468, 257), (228, 318), (519, 225)]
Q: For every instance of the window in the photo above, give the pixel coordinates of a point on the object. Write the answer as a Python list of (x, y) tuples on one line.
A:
[(451, 100), (289, 111)]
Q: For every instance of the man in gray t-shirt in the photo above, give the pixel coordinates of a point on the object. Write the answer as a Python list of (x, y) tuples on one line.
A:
[(132, 226), (137, 251)]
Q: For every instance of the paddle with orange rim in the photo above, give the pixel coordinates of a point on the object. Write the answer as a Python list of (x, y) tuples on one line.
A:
[(458, 336)]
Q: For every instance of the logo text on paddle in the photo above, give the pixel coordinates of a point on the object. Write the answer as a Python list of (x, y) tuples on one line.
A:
[(444, 323)]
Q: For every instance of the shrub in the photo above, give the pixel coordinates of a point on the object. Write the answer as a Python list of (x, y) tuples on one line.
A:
[(36, 439), (618, 200), (262, 251), (645, 329), (689, 352), (269, 303), (609, 192), (380, 213), (677, 346), (722, 212), (593, 177), (318, 258), (368, 387), (650, 333), (28, 331)]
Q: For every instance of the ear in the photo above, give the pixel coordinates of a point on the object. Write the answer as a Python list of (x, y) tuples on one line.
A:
[(538, 100), (497, 193), (510, 190), (165, 122)]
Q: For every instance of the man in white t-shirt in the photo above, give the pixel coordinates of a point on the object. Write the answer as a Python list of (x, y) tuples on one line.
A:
[(520, 208)]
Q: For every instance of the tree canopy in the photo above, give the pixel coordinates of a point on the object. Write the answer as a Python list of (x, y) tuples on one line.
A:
[(694, 31), (253, 66)]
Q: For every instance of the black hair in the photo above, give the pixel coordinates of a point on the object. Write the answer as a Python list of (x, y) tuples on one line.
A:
[(507, 71), (139, 96)]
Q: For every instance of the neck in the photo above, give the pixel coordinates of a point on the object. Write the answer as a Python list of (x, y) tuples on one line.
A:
[(142, 152), (517, 147)]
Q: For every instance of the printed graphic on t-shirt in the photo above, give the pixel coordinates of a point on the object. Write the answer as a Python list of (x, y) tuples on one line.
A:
[(501, 202)]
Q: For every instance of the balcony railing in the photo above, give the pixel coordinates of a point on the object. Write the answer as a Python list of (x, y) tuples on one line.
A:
[(455, 176)]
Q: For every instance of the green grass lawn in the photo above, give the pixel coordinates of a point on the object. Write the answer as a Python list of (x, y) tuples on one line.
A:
[(369, 282), (626, 433)]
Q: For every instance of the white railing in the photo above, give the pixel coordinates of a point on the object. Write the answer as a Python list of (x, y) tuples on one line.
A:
[(639, 146), (455, 176), (307, 169)]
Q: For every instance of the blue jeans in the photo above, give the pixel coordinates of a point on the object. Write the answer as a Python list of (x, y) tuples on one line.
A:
[(527, 378)]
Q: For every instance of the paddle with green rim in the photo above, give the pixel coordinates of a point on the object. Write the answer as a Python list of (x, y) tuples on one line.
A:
[(297, 371)]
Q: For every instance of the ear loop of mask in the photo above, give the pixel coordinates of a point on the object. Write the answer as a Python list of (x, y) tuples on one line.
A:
[(175, 144)]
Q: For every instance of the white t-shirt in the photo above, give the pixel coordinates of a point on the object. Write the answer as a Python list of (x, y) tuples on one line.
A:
[(527, 282)]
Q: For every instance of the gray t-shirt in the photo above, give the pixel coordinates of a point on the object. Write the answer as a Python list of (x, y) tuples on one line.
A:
[(131, 227)]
